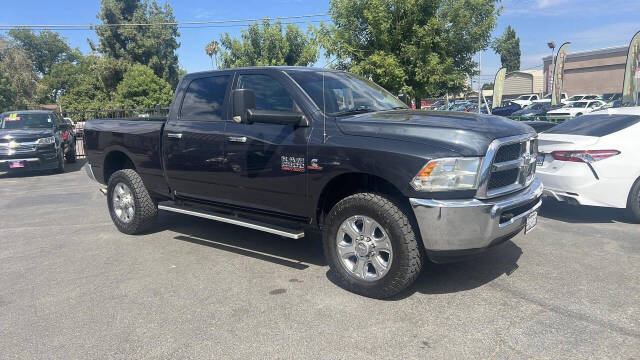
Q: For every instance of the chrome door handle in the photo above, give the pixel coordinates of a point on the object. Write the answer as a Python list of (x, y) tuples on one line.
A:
[(240, 139), (174, 135)]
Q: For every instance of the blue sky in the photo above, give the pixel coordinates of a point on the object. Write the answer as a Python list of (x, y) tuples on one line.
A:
[(588, 24)]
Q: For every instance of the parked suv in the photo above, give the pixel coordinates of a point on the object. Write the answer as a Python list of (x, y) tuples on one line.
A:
[(35, 140), (288, 150)]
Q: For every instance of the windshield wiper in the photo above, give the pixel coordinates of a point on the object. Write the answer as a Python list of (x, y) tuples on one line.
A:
[(353, 111)]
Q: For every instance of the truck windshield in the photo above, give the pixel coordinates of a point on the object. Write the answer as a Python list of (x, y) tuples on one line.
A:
[(26, 121), (339, 93)]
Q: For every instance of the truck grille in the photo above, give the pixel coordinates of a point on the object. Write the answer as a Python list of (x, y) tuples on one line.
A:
[(509, 166)]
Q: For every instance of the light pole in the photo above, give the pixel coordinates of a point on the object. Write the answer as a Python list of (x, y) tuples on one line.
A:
[(552, 46)]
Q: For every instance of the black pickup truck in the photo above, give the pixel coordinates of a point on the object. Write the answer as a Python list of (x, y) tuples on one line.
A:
[(288, 150)]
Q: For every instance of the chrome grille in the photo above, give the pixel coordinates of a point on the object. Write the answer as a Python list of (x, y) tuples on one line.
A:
[(509, 166)]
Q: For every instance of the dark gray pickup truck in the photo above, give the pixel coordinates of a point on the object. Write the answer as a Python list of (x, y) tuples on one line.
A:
[(289, 150)]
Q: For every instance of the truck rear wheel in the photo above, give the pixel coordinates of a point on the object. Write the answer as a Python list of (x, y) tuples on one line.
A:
[(131, 207), (371, 246)]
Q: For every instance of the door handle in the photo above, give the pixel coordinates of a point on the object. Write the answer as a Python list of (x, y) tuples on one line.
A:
[(240, 139), (174, 135)]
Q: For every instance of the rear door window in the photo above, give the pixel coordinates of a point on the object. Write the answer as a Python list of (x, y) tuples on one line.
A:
[(595, 125), (204, 99)]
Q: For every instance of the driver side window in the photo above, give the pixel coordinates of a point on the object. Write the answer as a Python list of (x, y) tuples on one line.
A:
[(270, 94)]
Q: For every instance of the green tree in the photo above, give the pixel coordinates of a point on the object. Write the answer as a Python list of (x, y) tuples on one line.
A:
[(269, 44), (44, 49), (154, 46), (7, 93), (16, 66), (89, 84), (419, 47), (508, 46), (141, 88)]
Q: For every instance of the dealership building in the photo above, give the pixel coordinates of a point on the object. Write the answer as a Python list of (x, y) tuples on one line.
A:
[(590, 72)]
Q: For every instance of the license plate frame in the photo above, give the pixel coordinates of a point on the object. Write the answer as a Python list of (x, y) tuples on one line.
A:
[(16, 164), (532, 222)]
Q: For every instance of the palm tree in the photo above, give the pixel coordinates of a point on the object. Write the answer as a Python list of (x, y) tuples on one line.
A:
[(212, 50)]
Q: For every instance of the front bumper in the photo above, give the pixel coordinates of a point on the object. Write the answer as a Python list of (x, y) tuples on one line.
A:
[(32, 161), (473, 225)]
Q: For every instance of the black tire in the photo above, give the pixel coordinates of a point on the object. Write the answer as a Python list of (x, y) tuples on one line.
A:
[(71, 155), (60, 168), (145, 209), (633, 203), (578, 114), (407, 254)]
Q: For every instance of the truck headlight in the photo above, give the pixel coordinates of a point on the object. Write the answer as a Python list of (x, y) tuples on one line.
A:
[(46, 140), (448, 174)]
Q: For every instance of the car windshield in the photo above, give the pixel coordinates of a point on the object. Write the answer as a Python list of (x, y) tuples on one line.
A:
[(341, 93), (536, 106), (26, 121), (524, 97), (575, 98), (579, 104)]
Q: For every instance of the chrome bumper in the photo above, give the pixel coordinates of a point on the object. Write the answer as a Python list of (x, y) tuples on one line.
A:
[(89, 171), (448, 225)]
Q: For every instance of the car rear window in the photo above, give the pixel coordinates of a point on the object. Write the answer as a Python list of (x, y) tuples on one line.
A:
[(595, 125)]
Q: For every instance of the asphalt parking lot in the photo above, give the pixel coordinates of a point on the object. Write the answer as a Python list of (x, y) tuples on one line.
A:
[(72, 286)]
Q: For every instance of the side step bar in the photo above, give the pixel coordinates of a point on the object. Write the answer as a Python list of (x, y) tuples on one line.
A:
[(252, 224)]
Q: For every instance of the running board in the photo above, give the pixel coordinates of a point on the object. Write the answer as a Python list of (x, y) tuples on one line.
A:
[(251, 224)]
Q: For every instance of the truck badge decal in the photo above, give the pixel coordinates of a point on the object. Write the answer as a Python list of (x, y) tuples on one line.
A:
[(292, 163), (314, 165)]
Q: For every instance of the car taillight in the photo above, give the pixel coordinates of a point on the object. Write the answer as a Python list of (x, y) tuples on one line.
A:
[(65, 135), (585, 156)]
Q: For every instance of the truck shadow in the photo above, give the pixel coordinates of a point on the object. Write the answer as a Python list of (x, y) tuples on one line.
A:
[(461, 276), (296, 254), (578, 214), (300, 254)]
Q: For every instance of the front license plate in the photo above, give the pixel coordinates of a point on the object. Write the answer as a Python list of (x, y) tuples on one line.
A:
[(16, 164), (532, 221), (540, 160)]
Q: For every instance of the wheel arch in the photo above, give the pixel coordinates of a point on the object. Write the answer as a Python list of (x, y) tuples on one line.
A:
[(350, 183), (116, 159)]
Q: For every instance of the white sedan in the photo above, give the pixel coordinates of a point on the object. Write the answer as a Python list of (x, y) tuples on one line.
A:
[(577, 108), (593, 160)]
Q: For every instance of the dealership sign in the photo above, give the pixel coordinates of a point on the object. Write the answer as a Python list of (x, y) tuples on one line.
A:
[(558, 75), (632, 73)]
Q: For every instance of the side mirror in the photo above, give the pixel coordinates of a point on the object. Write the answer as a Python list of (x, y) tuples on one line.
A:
[(243, 100)]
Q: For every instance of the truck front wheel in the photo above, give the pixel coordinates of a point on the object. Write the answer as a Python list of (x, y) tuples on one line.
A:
[(371, 246), (130, 205)]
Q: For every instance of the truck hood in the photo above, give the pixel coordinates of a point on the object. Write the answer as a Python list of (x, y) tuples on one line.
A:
[(468, 134), (24, 134)]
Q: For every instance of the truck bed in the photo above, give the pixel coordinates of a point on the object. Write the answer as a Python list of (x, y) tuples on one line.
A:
[(138, 138)]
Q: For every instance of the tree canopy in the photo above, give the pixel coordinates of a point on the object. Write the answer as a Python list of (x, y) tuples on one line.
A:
[(142, 89), (18, 71), (45, 49), (154, 46), (269, 44), (420, 47), (508, 46)]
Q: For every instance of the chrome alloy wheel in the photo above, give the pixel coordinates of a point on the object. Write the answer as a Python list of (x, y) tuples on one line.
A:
[(123, 202), (364, 248)]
